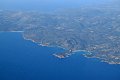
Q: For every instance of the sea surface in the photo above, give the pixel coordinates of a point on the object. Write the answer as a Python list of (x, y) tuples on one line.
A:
[(24, 60)]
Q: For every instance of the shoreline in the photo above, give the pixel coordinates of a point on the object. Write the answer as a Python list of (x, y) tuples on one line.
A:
[(74, 52)]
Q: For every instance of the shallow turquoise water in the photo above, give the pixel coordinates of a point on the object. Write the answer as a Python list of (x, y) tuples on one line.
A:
[(24, 60)]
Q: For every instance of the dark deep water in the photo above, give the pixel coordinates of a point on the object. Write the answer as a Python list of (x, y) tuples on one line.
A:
[(24, 60)]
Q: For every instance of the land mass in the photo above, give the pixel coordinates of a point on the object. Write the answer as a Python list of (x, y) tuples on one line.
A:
[(94, 30)]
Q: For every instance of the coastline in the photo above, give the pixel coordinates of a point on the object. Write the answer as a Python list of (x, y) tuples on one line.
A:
[(74, 52)]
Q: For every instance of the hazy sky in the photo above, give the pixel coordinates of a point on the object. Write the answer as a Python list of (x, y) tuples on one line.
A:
[(47, 4)]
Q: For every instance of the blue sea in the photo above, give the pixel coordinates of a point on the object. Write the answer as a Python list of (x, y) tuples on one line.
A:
[(24, 60)]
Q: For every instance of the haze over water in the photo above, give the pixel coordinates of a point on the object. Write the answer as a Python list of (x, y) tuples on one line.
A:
[(52, 5)]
